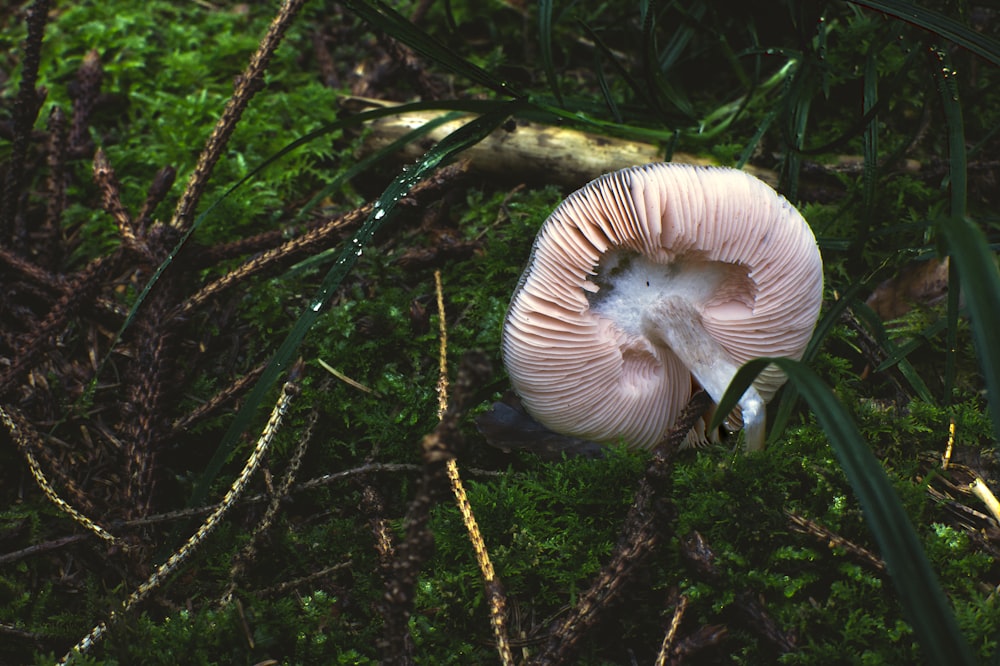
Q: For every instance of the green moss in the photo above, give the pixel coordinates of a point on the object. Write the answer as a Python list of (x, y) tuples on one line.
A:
[(549, 527)]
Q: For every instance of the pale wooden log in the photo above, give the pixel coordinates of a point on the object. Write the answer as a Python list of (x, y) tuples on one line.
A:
[(531, 152)]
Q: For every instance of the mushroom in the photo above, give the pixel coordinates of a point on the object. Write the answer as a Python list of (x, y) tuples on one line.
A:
[(649, 282)]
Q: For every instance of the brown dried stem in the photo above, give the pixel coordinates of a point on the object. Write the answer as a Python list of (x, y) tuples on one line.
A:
[(79, 293), (104, 176), (667, 647), (309, 242), (286, 252), (750, 610), (26, 106), (49, 252), (19, 432), (823, 535), (158, 190), (143, 419), (242, 383), (247, 85), (88, 79)]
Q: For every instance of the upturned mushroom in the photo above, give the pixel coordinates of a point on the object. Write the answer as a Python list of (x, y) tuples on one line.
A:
[(650, 282)]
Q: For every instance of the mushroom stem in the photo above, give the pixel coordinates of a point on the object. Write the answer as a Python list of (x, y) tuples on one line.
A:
[(676, 323)]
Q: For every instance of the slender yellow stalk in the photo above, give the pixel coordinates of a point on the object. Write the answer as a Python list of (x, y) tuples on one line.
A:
[(20, 438), (288, 392), (670, 637), (983, 492), (494, 592), (946, 458)]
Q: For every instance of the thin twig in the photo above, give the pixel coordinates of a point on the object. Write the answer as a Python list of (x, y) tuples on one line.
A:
[(39, 548), (436, 448), (803, 525), (216, 401), (983, 492), (286, 252), (291, 584)]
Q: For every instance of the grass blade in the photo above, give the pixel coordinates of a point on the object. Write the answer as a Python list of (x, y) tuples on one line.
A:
[(906, 369), (975, 263), (939, 24), (382, 212), (923, 601), (790, 393), (602, 81), (958, 181), (545, 46), (639, 90), (383, 17), (655, 75), (870, 165)]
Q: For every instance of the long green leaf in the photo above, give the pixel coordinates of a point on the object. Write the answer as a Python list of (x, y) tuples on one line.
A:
[(383, 17), (602, 81), (790, 393), (545, 47), (917, 341), (382, 212), (939, 24), (920, 595), (906, 368), (958, 181), (473, 106), (641, 91), (870, 166), (975, 263), (656, 79)]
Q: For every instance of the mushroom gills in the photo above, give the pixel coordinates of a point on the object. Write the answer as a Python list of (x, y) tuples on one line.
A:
[(675, 323)]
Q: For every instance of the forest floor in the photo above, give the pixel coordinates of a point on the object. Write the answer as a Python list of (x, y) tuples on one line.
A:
[(251, 312)]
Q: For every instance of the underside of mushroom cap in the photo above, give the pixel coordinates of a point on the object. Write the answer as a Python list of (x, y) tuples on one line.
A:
[(721, 239)]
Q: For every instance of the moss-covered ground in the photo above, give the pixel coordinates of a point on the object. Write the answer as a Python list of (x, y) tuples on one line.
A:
[(796, 576)]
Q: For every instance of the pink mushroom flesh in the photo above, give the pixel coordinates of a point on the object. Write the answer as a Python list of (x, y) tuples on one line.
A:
[(649, 282)]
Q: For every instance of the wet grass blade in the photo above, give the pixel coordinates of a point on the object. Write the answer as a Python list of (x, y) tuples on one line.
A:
[(639, 90), (870, 165), (798, 99), (356, 169), (754, 141), (920, 595), (918, 340), (656, 79), (382, 212), (472, 106), (368, 161)]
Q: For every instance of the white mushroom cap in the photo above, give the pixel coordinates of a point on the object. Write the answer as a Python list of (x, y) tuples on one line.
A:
[(647, 275)]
